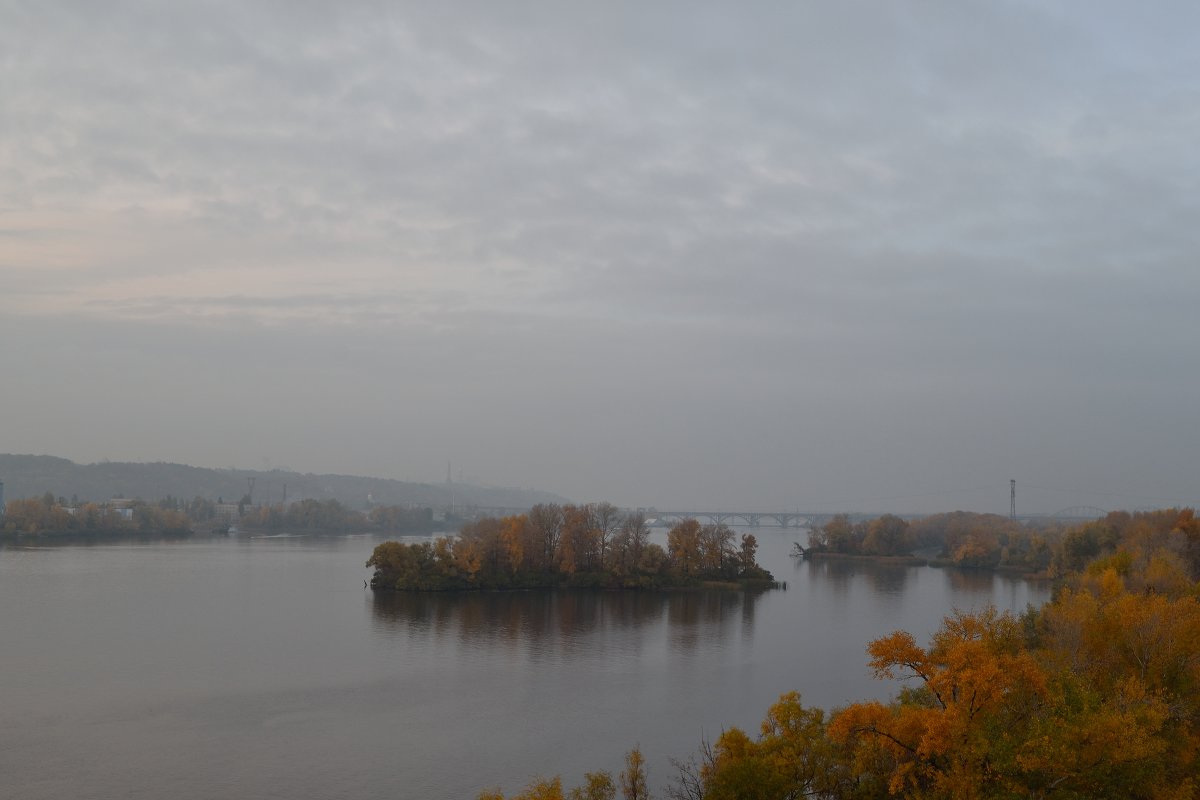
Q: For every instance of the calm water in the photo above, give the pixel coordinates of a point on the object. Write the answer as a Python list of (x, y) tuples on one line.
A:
[(262, 668)]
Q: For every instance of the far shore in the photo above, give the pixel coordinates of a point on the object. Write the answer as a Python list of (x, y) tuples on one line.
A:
[(921, 561)]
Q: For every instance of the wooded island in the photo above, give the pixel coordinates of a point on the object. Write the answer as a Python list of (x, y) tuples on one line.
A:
[(592, 545), (964, 539)]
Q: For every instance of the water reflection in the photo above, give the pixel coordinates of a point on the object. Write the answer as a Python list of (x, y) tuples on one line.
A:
[(976, 581), (691, 618), (841, 575), (75, 541), (699, 618)]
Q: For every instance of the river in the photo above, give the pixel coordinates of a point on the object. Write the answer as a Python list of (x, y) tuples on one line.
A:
[(261, 668)]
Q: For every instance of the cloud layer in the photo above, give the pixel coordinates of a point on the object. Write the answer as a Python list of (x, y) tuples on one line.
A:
[(844, 255)]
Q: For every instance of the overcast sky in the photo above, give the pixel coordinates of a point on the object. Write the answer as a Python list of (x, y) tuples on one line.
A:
[(839, 255)]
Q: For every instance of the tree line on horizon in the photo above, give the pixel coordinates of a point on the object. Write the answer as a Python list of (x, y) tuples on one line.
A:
[(1094, 695), (980, 541), (50, 516), (171, 516), (331, 516), (594, 544)]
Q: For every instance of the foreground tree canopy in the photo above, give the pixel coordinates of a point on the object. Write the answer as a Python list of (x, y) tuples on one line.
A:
[(1095, 695), (586, 545)]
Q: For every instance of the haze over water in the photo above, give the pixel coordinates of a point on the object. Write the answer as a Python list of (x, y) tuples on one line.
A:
[(260, 667)]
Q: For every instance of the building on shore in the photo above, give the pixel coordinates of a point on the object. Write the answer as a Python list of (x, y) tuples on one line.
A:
[(228, 513)]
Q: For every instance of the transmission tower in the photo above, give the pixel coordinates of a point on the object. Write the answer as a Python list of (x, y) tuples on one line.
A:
[(1012, 498)]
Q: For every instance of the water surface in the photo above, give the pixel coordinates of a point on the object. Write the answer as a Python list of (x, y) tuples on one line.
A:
[(261, 667)]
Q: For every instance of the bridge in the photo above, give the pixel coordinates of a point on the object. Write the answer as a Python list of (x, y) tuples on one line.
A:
[(750, 519), (814, 519), (764, 519), (1072, 514)]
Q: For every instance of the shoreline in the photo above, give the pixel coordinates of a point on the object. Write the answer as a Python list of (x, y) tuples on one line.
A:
[(750, 585), (922, 561)]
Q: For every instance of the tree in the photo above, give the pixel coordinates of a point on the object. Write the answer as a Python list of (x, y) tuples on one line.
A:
[(633, 777), (544, 525), (716, 551), (683, 547), (596, 786), (748, 555), (540, 789), (608, 521), (631, 540), (837, 535), (513, 537), (579, 547), (792, 758), (974, 680), (886, 536)]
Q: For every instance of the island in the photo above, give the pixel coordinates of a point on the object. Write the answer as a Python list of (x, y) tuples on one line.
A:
[(594, 545), (1035, 548)]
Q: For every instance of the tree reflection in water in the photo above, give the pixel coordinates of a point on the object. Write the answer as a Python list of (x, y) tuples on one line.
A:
[(534, 618), (842, 574)]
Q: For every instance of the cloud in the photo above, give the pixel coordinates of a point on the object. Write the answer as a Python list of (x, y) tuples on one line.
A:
[(819, 211)]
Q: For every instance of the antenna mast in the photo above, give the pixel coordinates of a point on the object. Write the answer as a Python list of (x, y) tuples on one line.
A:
[(1012, 499)]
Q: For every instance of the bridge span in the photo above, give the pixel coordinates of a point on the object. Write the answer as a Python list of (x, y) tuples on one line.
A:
[(766, 519), (751, 519)]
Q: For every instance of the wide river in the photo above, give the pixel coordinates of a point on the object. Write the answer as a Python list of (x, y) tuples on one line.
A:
[(261, 668)]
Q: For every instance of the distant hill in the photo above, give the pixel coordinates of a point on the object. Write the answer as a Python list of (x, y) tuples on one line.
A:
[(31, 476)]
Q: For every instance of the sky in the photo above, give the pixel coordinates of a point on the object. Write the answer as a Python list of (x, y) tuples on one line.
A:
[(764, 255)]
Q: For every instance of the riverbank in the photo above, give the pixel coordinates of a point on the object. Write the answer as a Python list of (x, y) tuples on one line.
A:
[(597, 582), (105, 535), (904, 561), (923, 561)]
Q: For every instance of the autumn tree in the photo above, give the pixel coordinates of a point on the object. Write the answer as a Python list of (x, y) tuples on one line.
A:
[(513, 537), (633, 777), (596, 786), (579, 543), (544, 525), (608, 522), (539, 789), (683, 547), (717, 553), (630, 542), (976, 678), (886, 536), (837, 535), (747, 560), (791, 758)]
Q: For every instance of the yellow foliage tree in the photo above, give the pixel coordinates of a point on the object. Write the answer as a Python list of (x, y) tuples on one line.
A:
[(975, 677)]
